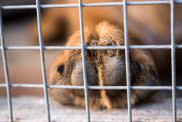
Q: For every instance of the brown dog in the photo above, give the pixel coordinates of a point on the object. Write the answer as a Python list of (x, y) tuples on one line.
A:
[(103, 27)]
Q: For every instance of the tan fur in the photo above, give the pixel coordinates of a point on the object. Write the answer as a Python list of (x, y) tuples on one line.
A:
[(107, 34), (103, 26)]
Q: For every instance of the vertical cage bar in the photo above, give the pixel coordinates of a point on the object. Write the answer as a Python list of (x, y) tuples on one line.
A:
[(42, 57), (128, 79), (173, 58), (6, 72), (84, 61)]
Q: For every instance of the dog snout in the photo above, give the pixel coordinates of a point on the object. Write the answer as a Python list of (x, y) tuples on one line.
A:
[(114, 71), (77, 74)]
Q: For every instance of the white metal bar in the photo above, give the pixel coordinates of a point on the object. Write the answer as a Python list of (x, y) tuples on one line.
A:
[(6, 72), (173, 59), (18, 7), (127, 60), (84, 60), (42, 58), (128, 3), (90, 47), (93, 87), (89, 4)]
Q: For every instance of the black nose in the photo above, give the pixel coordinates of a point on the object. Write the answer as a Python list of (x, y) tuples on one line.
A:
[(77, 74), (114, 71)]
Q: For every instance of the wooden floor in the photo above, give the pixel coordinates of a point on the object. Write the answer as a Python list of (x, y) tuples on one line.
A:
[(32, 109)]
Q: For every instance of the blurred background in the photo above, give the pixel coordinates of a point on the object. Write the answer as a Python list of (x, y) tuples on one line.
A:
[(24, 65)]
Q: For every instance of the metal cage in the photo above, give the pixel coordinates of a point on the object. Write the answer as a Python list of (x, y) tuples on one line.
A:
[(8, 85)]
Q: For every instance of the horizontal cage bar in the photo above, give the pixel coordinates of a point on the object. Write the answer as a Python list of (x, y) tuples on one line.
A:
[(93, 87), (90, 47), (88, 4)]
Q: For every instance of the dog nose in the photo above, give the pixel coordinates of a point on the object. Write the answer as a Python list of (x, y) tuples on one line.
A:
[(77, 74), (114, 71)]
